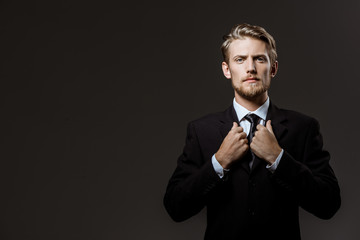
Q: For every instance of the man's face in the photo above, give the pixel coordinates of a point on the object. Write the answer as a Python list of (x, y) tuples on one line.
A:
[(249, 68)]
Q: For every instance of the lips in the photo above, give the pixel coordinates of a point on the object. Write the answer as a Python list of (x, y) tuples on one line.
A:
[(251, 79)]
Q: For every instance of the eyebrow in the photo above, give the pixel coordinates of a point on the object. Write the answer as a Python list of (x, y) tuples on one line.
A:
[(254, 56)]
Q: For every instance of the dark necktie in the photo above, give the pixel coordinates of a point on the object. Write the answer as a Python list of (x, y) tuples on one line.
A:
[(254, 121)]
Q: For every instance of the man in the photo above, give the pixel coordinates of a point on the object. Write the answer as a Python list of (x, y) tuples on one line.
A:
[(254, 164)]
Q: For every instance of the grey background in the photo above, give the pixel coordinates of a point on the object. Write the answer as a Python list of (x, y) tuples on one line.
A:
[(96, 95)]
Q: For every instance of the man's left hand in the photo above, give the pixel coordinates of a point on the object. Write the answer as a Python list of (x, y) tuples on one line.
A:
[(264, 143)]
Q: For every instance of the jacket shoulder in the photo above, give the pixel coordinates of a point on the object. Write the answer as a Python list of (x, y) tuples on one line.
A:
[(210, 120), (298, 118)]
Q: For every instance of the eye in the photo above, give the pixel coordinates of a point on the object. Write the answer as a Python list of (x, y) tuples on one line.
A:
[(261, 59), (239, 60)]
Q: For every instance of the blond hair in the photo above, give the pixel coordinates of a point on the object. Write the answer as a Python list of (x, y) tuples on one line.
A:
[(243, 30)]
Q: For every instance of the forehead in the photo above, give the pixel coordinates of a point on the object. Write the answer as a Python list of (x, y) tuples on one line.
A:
[(247, 46)]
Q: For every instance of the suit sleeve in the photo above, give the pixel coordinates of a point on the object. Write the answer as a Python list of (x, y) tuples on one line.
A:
[(311, 178), (192, 182)]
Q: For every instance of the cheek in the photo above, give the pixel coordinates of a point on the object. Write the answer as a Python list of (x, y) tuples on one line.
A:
[(239, 73), (266, 73)]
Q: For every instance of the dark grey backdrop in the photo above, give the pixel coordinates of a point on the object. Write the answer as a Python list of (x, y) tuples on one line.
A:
[(96, 95)]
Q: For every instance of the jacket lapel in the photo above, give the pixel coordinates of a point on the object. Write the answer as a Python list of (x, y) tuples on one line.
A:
[(227, 122), (230, 117), (277, 118)]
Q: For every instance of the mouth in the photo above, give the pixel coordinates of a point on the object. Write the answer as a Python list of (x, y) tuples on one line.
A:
[(251, 80)]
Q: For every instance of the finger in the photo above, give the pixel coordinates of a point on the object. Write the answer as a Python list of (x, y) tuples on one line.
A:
[(245, 148), (269, 127), (240, 129), (242, 135), (251, 145), (237, 129), (259, 126), (243, 142)]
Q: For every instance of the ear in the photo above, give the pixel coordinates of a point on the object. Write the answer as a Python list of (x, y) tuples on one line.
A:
[(226, 70), (274, 68)]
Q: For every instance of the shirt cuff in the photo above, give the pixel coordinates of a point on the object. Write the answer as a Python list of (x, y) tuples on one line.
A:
[(273, 166), (217, 167)]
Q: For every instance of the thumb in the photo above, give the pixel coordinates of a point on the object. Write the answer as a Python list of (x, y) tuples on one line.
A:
[(235, 125), (269, 127)]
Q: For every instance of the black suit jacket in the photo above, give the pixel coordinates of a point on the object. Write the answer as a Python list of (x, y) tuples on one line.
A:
[(254, 204)]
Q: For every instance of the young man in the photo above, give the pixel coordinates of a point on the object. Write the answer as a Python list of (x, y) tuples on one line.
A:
[(254, 164)]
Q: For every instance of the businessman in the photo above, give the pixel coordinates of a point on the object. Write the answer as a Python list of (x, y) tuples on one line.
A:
[(254, 164)]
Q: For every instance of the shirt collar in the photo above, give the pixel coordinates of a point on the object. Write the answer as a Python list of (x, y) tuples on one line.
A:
[(241, 112)]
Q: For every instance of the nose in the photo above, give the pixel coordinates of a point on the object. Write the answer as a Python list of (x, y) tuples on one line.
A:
[(250, 67)]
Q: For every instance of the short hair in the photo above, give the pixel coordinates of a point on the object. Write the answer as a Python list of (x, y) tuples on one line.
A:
[(240, 31)]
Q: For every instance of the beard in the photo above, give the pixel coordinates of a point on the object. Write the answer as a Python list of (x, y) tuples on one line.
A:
[(252, 91)]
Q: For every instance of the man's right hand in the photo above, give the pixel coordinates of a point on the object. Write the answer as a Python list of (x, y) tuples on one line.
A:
[(234, 146)]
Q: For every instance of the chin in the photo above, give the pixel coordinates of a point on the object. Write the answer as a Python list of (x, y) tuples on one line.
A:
[(252, 93)]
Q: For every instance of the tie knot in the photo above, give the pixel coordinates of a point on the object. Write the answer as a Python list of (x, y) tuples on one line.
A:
[(252, 118)]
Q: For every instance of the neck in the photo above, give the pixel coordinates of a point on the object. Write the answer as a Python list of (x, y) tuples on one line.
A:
[(253, 103)]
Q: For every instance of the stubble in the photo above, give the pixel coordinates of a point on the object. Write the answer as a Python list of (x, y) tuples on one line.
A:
[(252, 91)]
